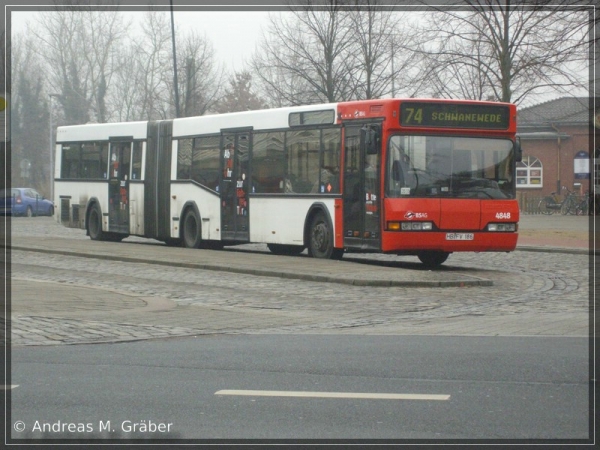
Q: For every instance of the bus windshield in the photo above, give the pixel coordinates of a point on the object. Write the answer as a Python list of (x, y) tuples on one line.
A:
[(453, 167)]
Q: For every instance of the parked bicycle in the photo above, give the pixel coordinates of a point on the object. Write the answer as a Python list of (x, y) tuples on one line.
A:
[(551, 204), (570, 203), (583, 207)]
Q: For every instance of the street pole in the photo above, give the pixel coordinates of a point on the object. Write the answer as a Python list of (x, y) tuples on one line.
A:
[(51, 148), (393, 73), (175, 87)]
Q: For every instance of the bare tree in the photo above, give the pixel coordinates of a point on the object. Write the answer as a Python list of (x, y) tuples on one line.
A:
[(305, 51), (29, 117), (57, 42), (277, 84), (462, 78), (240, 96), (379, 40), (493, 49), (344, 51), (200, 77), (145, 89), (77, 43), (125, 98), (152, 52), (101, 33)]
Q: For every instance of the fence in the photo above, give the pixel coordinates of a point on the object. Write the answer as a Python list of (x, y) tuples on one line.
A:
[(529, 204)]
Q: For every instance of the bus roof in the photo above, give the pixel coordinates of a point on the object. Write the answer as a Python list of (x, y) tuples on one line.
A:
[(257, 119), (276, 118), (101, 131)]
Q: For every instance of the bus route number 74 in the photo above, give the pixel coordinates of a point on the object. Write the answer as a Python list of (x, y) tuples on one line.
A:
[(416, 115)]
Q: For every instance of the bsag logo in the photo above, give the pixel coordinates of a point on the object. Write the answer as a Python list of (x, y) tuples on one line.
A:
[(413, 215)]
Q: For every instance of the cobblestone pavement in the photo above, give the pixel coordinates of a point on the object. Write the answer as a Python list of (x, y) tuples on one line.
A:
[(66, 299)]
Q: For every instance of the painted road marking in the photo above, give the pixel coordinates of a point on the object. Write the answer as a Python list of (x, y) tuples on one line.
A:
[(380, 396), (8, 387)]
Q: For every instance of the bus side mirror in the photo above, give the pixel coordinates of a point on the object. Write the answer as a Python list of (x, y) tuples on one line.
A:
[(518, 150), (372, 140)]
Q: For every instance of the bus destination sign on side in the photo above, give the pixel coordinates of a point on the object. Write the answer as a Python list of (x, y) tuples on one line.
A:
[(442, 115)]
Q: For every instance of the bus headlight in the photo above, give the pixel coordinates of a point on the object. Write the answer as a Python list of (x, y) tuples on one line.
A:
[(502, 227)]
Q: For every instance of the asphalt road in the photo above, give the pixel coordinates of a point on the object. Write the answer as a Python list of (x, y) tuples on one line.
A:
[(494, 388)]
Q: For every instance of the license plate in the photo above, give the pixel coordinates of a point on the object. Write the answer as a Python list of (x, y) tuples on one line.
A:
[(460, 236)]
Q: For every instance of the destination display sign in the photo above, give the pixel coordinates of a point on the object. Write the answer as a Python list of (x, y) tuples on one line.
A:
[(444, 115)]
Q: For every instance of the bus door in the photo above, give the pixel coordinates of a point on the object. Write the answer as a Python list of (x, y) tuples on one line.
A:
[(362, 199), (234, 186), (118, 187)]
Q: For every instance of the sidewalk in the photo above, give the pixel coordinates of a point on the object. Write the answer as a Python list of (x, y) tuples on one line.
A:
[(539, 232), (72, 314)]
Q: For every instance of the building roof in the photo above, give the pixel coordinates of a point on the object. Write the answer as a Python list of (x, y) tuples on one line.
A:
[(563, 111)]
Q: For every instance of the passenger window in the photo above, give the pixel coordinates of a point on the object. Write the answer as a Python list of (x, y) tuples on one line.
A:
[(269, 162), (303, 160), (206, 162)]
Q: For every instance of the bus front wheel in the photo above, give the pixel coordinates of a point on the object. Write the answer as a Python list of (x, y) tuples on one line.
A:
[(320, 243), (192, 237), (433, 259)]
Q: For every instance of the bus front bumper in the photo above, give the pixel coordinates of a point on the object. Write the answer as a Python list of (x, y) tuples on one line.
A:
[(448, 241)]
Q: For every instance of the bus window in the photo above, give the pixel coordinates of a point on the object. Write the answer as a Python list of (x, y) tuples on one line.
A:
[(91, 161), (184, 159), (136, 168), (70, 161), (104, 160), (205, 161), (303, 159), (330, 162), (460, 167), (269, 162)]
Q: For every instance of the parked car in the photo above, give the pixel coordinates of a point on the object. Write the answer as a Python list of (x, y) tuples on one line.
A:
[(24, 202)]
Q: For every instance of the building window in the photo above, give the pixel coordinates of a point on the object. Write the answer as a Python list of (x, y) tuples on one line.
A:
[(529, 173)]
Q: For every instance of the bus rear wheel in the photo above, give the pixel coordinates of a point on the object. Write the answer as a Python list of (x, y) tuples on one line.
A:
[(320, 243), (433, 259), (94, 225), (192, 237)]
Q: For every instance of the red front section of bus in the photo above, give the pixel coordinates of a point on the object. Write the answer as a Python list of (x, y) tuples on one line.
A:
[(458, 225)]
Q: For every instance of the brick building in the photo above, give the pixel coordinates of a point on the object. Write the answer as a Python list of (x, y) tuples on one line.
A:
[(556, 141)]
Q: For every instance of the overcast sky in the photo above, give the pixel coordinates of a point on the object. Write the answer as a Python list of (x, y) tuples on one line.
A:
[(233, 34)]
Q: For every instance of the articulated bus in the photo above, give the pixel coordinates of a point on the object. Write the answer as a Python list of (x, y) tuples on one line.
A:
[(422, 177)]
